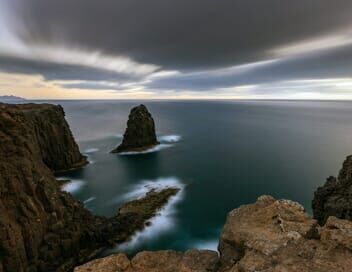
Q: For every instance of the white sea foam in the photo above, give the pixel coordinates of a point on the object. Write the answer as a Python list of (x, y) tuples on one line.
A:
[(150, 150), (169, 138), (89, 200), (73, 186), (118, 135), (165, 219), (91, 150), (206, 244)]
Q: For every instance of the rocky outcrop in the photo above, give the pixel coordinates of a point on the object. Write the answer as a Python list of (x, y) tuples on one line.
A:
[(269, 235), (140, 133), (334, 198), (277, 235), (161, 261), (41, 227)]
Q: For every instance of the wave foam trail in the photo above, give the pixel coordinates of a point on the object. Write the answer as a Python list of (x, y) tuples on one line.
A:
[(142, 188), (164, 221), (89, 200), (206, 244), (91, 150), (169, 138), (150, 150), (73, 186), (118, 135)]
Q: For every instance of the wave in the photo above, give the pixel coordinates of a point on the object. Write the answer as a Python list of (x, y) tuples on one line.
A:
[(166, 141), (165, 219), (89, 200), (205, 244), (169, 138), (150, 150), (142, 188), (73, 186), (90, 150), (118, 135)]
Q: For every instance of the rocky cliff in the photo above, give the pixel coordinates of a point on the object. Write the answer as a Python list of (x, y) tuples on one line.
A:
[(269, 235), (140, 131), (41, 227), (334, 198)]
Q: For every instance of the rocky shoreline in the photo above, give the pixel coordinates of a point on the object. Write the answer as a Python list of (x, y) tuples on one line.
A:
[(270, 235), (41, 227)]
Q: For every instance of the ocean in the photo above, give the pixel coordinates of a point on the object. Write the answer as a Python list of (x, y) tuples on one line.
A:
[(222, 154)]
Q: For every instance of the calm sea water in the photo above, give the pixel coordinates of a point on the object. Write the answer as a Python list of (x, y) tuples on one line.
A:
[(222, 153)]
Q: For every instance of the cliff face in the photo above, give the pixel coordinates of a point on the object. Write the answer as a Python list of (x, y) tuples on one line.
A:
[(269, 235), (41, 227), (52, 136), (334, 198), (140, 132)]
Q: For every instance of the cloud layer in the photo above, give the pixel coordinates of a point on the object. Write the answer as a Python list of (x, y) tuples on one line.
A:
[(231, 48)]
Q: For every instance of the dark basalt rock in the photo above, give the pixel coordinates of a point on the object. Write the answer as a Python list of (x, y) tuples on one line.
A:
[(334, 198), (140, 133), (41, 227)]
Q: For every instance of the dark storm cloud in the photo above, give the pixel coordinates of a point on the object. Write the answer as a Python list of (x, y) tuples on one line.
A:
[(331, 64), (199, 38), (51, 71), (183, 34)]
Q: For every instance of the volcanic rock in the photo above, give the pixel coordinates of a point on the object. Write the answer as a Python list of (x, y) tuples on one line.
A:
[(41, 227), (334, 198), (140, 133), (270, 235)]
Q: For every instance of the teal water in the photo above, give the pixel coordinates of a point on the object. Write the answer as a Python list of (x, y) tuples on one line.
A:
[(223, 154)]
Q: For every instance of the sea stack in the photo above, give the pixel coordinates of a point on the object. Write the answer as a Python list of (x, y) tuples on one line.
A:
[(41, 227), (140, 132)]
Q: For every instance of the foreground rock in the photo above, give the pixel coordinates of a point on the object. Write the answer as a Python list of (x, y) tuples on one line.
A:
[(41, 227), (140, 133), (334, 198), (269, 235), (277, 235), (161, 261)]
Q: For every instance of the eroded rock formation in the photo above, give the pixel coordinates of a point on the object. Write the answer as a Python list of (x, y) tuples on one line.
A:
[(269, 235), (334, 198), (41, 227), (140, 132)]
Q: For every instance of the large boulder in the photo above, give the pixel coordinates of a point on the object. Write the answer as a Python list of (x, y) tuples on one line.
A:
[(140, 132), (334, 198)]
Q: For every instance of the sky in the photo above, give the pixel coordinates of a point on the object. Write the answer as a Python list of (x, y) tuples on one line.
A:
[(168, 49)]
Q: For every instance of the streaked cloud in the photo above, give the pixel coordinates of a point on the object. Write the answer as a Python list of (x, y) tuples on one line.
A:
[(176, 49)]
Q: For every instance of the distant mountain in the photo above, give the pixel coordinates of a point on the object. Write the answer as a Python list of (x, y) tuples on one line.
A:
[(11, 98)]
